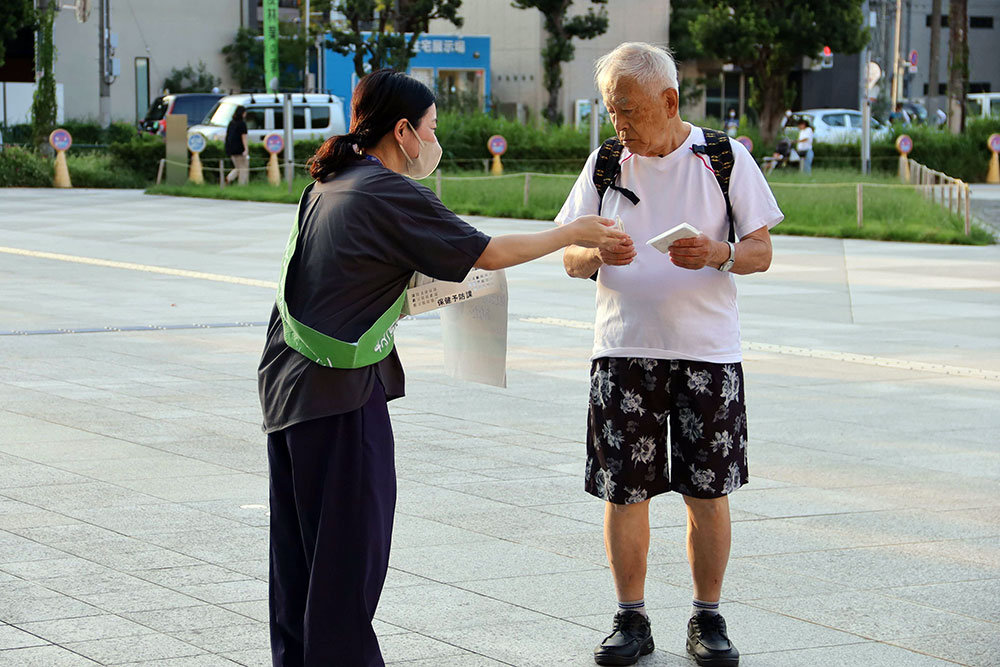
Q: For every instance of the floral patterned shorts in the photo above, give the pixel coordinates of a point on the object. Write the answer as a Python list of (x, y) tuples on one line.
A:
[(635, 403)]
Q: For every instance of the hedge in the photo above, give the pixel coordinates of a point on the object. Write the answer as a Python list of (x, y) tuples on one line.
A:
[(20, 167)]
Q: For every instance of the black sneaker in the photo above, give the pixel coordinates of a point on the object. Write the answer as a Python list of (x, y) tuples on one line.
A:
[(708, 643), (630, 637)]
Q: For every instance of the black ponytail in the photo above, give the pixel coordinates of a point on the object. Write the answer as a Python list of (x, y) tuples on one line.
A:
[(380, 100)]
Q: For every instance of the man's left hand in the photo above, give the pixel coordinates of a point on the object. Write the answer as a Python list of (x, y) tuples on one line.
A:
[(696, 252)]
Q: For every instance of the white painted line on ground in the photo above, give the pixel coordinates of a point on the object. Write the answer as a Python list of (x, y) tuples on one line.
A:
[(849, 357), (130, 266)]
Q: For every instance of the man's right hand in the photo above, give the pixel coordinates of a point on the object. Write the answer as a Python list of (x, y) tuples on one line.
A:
[(620, 255)]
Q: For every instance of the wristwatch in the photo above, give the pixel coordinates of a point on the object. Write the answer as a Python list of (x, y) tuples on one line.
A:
[(728, 264)]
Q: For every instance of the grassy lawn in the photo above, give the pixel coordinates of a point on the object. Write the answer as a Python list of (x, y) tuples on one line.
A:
[(823, 204)]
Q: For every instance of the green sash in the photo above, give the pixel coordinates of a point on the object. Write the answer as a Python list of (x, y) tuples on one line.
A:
[(373, 346)]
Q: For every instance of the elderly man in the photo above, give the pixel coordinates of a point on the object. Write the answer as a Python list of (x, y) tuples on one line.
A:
[(666, 358)]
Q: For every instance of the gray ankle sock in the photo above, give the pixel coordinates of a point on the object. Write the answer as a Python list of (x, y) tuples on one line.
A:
[(638, 606), (702, 606)]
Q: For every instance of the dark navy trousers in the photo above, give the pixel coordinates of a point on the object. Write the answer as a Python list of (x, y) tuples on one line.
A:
[(333, 494)]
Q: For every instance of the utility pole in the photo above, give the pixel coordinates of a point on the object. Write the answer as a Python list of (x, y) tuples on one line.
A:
[(863, 102), (895, 54), (107, 66)]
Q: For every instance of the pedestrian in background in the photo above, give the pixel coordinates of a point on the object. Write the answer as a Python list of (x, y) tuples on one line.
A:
[(804, 146), (236, 147)]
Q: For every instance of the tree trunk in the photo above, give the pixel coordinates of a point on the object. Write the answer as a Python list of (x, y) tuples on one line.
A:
[(552, 63), (771, 93), (958, 64), (933, 61)]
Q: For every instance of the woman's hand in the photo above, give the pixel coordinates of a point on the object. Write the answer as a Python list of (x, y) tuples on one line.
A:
[(593, 231)]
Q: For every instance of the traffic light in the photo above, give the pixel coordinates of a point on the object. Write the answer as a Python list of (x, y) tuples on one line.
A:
[(827, 57)]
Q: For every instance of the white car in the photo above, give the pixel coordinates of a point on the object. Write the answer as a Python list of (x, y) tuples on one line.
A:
[(837, 126), (314, 116)]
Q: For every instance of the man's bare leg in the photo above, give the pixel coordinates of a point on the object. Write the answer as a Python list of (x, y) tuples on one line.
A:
[(626, 539), (709, 536)]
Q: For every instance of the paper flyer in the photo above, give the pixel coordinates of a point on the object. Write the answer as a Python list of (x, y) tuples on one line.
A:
[(475, 337)]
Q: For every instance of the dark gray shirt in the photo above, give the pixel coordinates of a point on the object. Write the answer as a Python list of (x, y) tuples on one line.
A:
[(362, 234)]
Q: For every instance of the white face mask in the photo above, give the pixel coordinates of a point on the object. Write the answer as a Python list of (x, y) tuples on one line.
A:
[(426, 161)]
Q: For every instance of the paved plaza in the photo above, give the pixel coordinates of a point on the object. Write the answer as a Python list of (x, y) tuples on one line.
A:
[(133, 475)]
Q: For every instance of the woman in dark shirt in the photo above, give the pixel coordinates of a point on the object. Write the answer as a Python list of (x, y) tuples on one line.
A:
[(236, 147), (329, 365)]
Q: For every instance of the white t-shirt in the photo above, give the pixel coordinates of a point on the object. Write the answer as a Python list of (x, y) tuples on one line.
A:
[(805, 140), (652, 308)]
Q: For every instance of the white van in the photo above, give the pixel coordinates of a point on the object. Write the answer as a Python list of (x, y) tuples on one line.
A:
[(314, 116)]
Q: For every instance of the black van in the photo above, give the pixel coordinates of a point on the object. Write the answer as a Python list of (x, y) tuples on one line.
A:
[(195, 105)]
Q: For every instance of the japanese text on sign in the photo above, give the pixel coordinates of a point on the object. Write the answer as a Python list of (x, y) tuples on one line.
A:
[(430, 45), (455, 298)]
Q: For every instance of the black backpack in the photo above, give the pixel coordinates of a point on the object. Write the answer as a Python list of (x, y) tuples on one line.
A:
[(716, 147)]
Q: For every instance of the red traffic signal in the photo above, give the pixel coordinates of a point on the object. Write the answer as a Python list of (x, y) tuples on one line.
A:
[(827, 51)]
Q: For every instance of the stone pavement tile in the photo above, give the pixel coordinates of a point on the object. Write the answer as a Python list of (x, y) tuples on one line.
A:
[(399, 579), (465, 659), (85, 628), (978, 599), (255, 609), (980, 649), (202, 487), (25, 474), (434, 608), (425, 471), (74, 448), (44, 656), (151, 557), (96, 584), (213, 546), (38, 570), (415, 531), (383, 629), (203, 660), (481, 560), (803, 501), (180, 619), (145, 519), (144, 599), (428, 501), (17, 549), (573, 593), (62, 497), (141, 648), (509, 523), (872, 616), (413, 646), (868, 654), (589, 546), (255, 567), (748, 580), (189, 575), (881, 567), (11, 637), (250, 658), (224, 639), (227, 591), (22, 601), (158, 466), (523, 492), (251, 514)]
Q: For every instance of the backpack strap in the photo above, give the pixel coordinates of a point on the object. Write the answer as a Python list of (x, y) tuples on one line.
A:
[(720, 156), (606, 171)]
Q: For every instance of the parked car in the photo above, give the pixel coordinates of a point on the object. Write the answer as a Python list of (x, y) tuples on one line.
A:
[(314, 116), (837, 126), (194, 105)]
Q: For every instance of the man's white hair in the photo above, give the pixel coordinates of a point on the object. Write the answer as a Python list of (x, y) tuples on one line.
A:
[(649, 66)]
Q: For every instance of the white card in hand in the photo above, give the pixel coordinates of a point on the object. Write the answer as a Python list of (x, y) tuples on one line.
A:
[(619, 225), (681, 231)]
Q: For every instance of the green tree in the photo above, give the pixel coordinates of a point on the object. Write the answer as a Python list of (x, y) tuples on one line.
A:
[(769, 38), (16, 14), (245, 58), (191, 80), (393, 27), (559, 49)]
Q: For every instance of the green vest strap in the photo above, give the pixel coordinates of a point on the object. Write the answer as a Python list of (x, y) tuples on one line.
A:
[(373, 346)]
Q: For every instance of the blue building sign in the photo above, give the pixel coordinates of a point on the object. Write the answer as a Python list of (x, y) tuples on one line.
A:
[(458, 64)]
